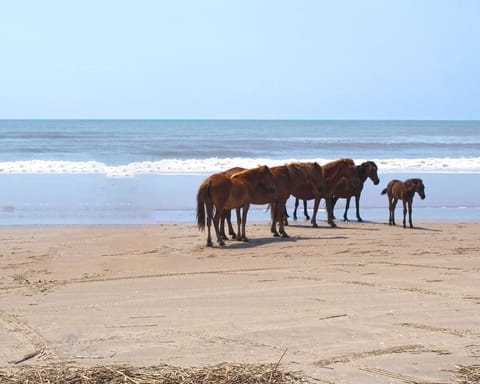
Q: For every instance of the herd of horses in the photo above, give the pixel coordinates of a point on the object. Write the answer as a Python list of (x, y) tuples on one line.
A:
[(238, 188)]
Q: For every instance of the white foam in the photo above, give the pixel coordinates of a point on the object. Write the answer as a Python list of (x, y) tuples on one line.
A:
[(214, 164)]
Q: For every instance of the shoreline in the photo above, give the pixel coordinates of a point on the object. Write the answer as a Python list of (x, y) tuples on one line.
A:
[(360, 303), (153, 199)]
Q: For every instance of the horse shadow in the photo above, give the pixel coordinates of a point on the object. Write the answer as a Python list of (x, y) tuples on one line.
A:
[(257, 241), (341, 225)]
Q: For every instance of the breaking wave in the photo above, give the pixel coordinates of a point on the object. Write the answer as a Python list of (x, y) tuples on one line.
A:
[(214, 164)]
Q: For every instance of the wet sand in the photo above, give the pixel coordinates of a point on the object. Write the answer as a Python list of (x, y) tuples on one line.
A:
[(363, 303)]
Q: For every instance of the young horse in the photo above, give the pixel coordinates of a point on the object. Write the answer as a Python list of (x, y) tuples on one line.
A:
[(338, 174), (295, 178), (365, 170), (220, 192), (398, 190)]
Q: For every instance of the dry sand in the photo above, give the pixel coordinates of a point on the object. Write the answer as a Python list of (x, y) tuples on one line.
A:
[(364, 303)]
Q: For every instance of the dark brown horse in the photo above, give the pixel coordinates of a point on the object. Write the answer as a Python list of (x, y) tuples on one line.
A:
[(339, 175), (365, 170), (399, 190), (299, 179), (220, 192)]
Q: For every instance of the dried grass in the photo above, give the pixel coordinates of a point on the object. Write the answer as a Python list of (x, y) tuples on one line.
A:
[(115, 374), (164, 374), (468, 374)]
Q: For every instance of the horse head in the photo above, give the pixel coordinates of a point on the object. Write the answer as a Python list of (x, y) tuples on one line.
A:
[(372, 170), (417, 186), (266, 179)]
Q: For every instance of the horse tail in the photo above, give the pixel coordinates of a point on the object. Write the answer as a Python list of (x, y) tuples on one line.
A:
[(384, 191), (202, 195)]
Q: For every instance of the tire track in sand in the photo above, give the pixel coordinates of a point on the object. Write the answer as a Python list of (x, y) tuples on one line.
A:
[(15, 324)]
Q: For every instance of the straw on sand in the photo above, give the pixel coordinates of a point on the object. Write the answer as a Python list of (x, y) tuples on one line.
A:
[(468, 374), (115, 374)]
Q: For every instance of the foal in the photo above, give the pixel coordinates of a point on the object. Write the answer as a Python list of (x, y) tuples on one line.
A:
[(399, 190)]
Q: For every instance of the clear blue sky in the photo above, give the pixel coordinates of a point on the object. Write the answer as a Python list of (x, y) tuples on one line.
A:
[(248, 59)]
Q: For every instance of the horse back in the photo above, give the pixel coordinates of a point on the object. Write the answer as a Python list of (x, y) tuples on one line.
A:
[(397, 189)]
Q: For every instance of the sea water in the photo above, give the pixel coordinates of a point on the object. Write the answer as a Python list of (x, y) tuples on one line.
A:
[(148, 171)]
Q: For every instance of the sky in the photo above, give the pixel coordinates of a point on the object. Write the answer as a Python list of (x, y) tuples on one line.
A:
[(249, 59)]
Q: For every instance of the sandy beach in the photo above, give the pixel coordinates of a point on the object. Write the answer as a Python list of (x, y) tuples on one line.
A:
[(363, 303)]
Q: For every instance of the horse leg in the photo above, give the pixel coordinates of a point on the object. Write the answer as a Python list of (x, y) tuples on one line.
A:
[(305, 210), (216, 221), (209, 235), (315, 210), (329, 204), (357, 206), (231, 231), (222, 225), (347, 206), (281, 219), (404, 213), (274, 215), (209, 210), (239, 224), (285, 217), (244, 221), (391, 210), (295, 210), (394, 206), (410, 213), (334, 201)]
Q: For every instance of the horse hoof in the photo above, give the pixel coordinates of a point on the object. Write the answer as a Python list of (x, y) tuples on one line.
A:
[(209, 244), (314, 225), (245, 240), (276, 234), (284, 235), (360, 220)]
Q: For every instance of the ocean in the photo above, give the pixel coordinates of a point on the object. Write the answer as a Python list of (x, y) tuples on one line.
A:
[(148, 171)]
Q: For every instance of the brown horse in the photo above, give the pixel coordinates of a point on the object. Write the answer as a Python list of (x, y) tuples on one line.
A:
[(299, 179), (365, 170), (220, 192), (399, 190), (339, 175)]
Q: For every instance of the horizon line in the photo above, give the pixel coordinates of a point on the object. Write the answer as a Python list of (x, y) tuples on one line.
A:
[(228, 119)]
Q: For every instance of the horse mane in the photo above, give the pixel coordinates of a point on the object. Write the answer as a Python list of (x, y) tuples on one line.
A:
[(246, 172), (414, 181), (366, 163), (345, 160)]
